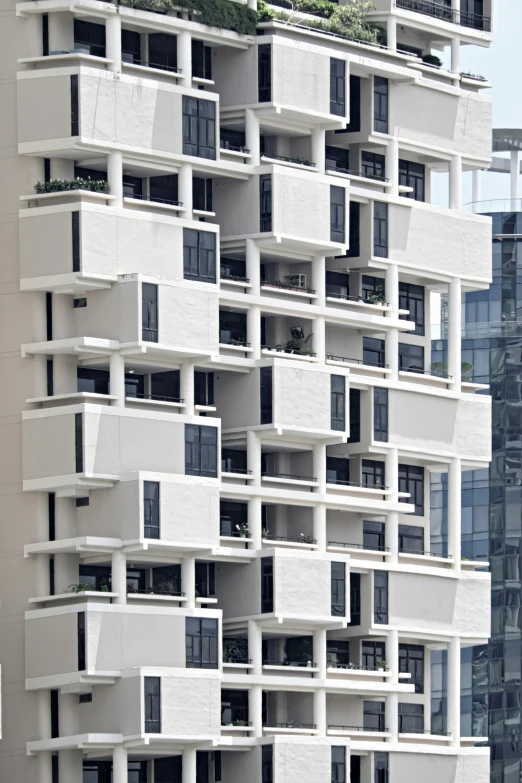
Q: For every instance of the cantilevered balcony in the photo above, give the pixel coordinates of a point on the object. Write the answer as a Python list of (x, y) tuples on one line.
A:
[(443, 11)]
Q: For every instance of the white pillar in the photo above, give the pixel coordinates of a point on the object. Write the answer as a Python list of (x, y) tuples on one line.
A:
[(319, 148), (254, 523), (117, 378), (392, 656), (319, 526), (119, 765), (119, 576), (254, 457), (391, 285), (185, 57), (319, 707), (476, 189), (186, 383), (320, 652), (43, 718), (64, 374), (188, 580), (391, 337), (392, 716), (319, 466), (319, 279), (252, 136), (45, 769), (391, 166), (455, 334), (392, 519), (253, 266), (252, 4), (454, 511), (185, 189), (255, 647), (514, 169), (69, 761), (391, 30), (70, 765), (115, 177), (254, 330), (319, 338), (113, 41), (454, 690), (65, 572), (455, 182), (455, 55), (255, 710), (61, 31)]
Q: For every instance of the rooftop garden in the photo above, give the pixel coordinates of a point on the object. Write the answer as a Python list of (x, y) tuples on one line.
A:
[(222, 14)]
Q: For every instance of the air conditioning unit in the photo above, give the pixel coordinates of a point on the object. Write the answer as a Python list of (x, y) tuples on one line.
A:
[(298, 280)]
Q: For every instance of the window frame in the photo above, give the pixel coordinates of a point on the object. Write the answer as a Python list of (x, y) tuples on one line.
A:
[(412, 476), (151, 510), (380, 598), (265, 203), (380, 414), (201, 451), (199, 127), (411, 660), (267, 585), (338, 764), (264, 73), (416, 534), (199, 255), (337, 87), (412, 297), (338, 403), (380, 229), (376, 711), (338, 589), (381, 104), (201, 649), (337, 214), (149, 313), (266, 391), (152, 705)]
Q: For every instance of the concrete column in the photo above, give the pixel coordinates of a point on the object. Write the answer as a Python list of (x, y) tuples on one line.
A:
[(455, 55), (69, 761), (113, 42), (454, 690), (319, 526), (454, 511), (185, 57), (119, 576), (255, 647), (392, 716), (43, 728), (319, 279), (185, 189), (64, 374), (392, 519), (252, 4), (65, 518), (115, 177), (391, 353), (391, 31), (254, 523), (65, 572), (45, 769), (455, 182), (70, 765), (391, 286), (188, 580), (254, 457), (392, 656), (319, 466), (186, 383), (117, 378), (252, 134), (255, 710), (319, 148), (61, 31), (254, 330), (514, 168), (476, 189), (320, 652), (319, 338), (63, 317), (253, 266), (455, 334), (319, 706), (391, 166), (119, 765)]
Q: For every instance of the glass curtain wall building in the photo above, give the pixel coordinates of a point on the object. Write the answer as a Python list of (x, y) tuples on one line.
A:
[(492, 498)]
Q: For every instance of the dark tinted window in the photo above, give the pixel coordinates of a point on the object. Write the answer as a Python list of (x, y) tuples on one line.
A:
[(200, 451), (373, 715), (338, 402), (163, 51), (267, 584), (411, 297), (199, 255), (380, 104), (411, 357), (266, 375), (411, 659), (199, 127), (337, 87), (264, 71), (265, 202), (201, 641), (412, 175), (149, 312), (152, 696), (151, 509), (380, 597), (354, 126), (380, 414), (89, 37), (411, 479), (338, 577), (411, 539), (201, 60), (380, 229), (337, 214)]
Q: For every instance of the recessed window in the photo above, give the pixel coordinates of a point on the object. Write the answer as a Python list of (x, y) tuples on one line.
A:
[(89, 38), (338, 764), (266, 382), (380, 229), (152, 696), (373, 716), (354, 126), (411, 660), (75, 106), (151, 509), (163, 51), (201, 641), (411, 358), (372, 165), (267, 584), (265, 202), (85, 698), (338, 588), (337, 87), (373, 654), (373, 535), (80, 302), (203, 388), (149, 312), (81, 641), (355, 599), (337, 402), (81, 502), (411, 479), (412, 175), (380, 104), (411, 298), (201, 60), (75, 248), (373, 474), (200, 451), (380, 414), (78, 441), (205, 579), (380, 597), (199, 255), (199, 127), (411, 539), (264, 73), (411, 718), (373, 351), (337, 214)]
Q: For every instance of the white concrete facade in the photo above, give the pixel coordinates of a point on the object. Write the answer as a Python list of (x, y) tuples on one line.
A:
[(222, 414)]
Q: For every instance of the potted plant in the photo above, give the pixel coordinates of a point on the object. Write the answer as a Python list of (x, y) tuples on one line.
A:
[(380, 664)]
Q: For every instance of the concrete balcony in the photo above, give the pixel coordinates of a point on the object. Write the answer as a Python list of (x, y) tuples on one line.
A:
[(440, 17), (59, 651), (301, 589), (299, 84), (459, 243), (288, 226), (73, 242), (95, 446), (298, 407)]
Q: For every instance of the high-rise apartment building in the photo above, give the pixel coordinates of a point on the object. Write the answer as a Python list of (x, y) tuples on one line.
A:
[(491, 501), (219, 410)]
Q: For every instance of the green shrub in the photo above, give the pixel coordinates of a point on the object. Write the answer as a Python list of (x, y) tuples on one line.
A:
[(58, 185), (222, 14)]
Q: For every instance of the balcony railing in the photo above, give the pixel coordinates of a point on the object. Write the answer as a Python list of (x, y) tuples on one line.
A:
[(283, 349), (289, 725), (362, 299), (154, 199), (446, 13), (357, 667), (297, 161), (155, 591), (335, 727), (290, 539), (156, 397), (235, 341), (286, 662), (224, 145), (290, 476), (425, 553), (359, 484), (288, 286), (432, 373), (358, 173), (345, 545), (334, 358)]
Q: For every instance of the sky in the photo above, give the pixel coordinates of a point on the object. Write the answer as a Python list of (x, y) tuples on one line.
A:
[(501, 65)]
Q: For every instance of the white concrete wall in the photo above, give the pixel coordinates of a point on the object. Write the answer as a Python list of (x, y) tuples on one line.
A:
[(305, 759)]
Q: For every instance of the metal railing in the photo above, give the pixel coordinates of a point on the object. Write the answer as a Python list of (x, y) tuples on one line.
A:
[(289, 725), (242, 471), (358, 667), (335, 727), (235, 341), (290, 539), (155, 591), (350, 298), (358, 173), (289, 351), (360, 484), (287, 286), (148, 64), (359, 546), (291, 476), (297, 161), (334, 358), (422, 371), (154, 199), (225, 145), (422, 552), (446, 13), (285, 662), (157, 397)]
